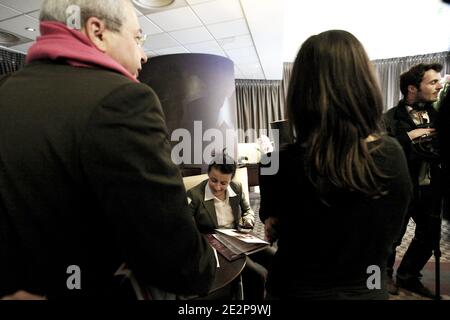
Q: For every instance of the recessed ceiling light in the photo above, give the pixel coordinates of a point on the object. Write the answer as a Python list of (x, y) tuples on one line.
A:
[(30, 29), (151, 4), (7, 38)]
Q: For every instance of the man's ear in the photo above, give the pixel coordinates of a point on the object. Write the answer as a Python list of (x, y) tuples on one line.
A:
[(95, 30), (412, 89)]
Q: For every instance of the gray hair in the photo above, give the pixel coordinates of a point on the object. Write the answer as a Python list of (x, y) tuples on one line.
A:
[(111, 11)]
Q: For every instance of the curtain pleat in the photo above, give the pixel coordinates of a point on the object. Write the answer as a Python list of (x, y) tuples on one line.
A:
[(259, 102), (287, 73)]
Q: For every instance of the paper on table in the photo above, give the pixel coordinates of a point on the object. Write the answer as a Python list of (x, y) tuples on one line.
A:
[(245, 237)]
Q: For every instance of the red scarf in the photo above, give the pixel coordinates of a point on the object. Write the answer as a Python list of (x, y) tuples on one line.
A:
[(57, 41)]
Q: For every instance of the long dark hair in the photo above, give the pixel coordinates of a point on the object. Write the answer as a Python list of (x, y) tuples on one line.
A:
[(335, 104)]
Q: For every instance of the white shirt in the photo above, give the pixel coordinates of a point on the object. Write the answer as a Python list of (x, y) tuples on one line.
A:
[(419, 117), (225, 218)]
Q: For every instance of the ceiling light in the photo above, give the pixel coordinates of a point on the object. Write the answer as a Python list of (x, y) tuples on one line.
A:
[(30, 29), (151, 4), (7, 38)]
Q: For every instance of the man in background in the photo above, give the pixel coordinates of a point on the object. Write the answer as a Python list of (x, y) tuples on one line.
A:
[(411, 122), (86, 179)]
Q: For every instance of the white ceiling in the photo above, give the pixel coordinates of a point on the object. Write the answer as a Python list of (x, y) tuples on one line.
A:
[(386, 28), (258, 35)]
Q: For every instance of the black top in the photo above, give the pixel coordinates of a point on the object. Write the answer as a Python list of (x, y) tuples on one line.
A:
[(443, 129), (86, 179), (324, 250)]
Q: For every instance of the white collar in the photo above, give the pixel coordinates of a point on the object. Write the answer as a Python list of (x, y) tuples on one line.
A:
[(209, 195)]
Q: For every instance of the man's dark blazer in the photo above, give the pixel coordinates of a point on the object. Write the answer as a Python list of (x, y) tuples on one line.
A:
[(204, 212), (398, 123), (86, 179)]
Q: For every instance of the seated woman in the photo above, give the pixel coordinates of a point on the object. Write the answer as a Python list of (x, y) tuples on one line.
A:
[(219, 202), (342, 189)]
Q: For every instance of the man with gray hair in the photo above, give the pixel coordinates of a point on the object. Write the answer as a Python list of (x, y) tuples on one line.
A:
[(86, 179)]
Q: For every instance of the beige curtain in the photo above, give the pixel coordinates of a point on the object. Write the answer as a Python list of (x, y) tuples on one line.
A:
[(259, 102), (389, 71)]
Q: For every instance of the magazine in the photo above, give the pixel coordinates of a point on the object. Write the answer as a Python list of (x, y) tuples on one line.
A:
[(233, 244)]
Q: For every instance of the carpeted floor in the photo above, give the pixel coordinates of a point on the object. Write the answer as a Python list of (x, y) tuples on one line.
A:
[(429, 270)]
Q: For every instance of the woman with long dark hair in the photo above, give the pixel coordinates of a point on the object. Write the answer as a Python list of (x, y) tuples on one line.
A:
[(342, 189)]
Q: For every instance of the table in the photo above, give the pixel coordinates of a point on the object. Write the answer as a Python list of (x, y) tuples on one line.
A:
[(227, 272)]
